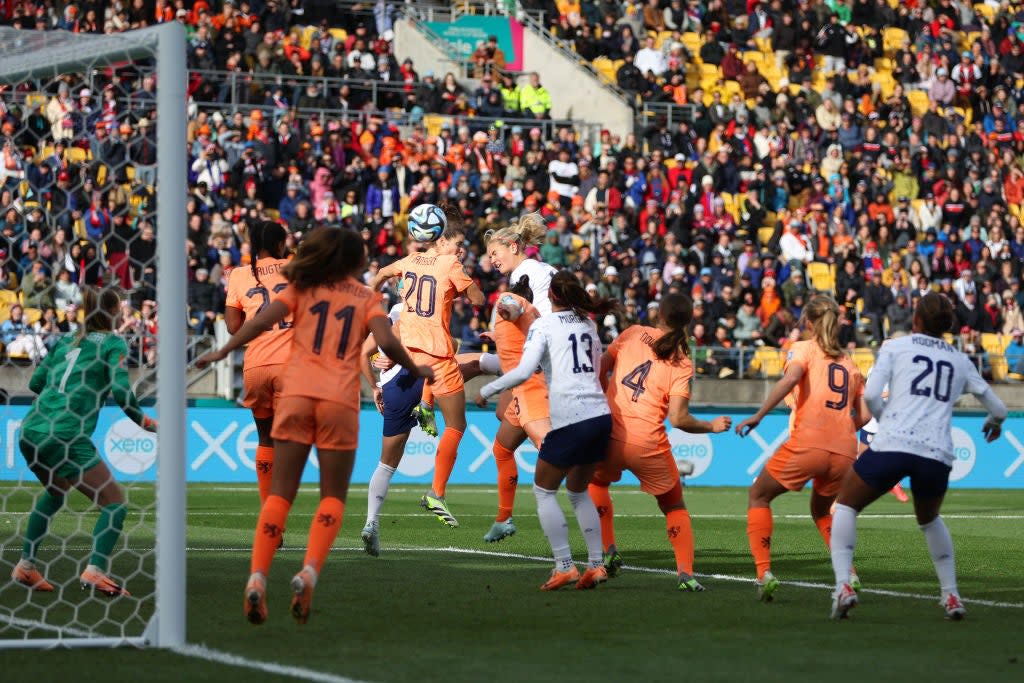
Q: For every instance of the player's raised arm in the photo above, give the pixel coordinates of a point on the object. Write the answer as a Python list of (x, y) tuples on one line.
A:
[(385, 274), (475, 295), (274, 313)]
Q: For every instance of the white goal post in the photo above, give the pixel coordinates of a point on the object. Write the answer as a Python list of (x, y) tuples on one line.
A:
[(40, 55)]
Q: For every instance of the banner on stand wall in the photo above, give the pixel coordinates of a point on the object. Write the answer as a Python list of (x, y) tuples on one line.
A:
[(467, 32), (222, 448)]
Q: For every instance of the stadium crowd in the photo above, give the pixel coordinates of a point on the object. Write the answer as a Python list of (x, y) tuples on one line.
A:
[(859, 147)]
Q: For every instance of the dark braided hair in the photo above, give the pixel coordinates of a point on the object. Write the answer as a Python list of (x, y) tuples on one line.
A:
[(268, 236)]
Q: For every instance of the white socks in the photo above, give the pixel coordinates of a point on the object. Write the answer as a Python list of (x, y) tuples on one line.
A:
[(844, 538), (552, 521), (378, 491), (590, 525), (940, 546)]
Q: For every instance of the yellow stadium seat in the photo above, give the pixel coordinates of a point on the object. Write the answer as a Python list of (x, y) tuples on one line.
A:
[(339, 34), (918, 102), (307, 36), (764, 45), (864, 359), (768, 362), (272, 214), (764, 235), (710, 71), (986, 11), (32, 315), (77, 155), (753, 56), (1000, 366), (893, 38), (660, 39), (995, 343)]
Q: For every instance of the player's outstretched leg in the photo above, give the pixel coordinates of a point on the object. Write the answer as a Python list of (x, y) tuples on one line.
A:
[(453, 408), (508, 479)]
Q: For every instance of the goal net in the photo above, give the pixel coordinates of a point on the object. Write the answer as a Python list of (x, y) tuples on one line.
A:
[(96, 555)]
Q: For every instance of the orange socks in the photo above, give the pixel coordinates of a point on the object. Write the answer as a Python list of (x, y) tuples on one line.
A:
[(444, 461), (508, 478), (605, 511), (269, 528), (264, 470), (323, 530), (824, 525), (680, 535), (759, 534)]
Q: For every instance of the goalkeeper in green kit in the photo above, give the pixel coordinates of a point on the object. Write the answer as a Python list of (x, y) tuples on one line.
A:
[(72, 384)]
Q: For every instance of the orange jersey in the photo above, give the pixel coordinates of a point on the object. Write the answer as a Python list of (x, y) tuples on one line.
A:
[(509, 337), (331, 323), (249, 296), (823, 401), (430, 285), (640, 388)]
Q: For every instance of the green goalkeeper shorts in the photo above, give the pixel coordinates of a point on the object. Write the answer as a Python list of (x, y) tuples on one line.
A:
[(67, 458)]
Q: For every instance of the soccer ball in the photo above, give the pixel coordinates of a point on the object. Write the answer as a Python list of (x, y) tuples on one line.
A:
[(427, 222)]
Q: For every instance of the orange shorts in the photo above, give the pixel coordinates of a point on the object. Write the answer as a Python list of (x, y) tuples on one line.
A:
[(793, 467), (262, 386), (657, 471), (528, 405), (447, 375), (328, 425)]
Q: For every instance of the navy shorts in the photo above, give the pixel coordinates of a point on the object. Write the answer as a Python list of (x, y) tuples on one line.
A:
[(580, 443), (884, 469), (401, 395)]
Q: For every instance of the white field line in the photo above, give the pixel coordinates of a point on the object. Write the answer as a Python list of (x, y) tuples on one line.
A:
[(205, 653), (197, 652), (646, 570), (255, 513)]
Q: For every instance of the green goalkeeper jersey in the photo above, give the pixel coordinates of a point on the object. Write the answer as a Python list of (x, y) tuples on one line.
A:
[(73, 383)]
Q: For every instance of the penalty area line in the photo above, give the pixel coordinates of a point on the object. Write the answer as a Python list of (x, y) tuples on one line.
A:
[(228, 659)]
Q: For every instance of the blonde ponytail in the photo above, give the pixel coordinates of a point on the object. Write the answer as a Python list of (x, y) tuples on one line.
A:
[(527, 230), (822, 313)]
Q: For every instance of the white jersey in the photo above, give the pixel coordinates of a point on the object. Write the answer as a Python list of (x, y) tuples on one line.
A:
[(540, 282), (926, 376), (568, 349), (393, 371)]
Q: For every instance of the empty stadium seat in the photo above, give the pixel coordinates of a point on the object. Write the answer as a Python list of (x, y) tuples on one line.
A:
[(768, 362), (864, 359)]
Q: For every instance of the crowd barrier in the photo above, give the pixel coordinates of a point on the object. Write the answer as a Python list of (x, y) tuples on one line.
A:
[(222, 444)]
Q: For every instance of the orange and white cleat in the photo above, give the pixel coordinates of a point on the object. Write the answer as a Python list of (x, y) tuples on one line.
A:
[(900, 494), (955, 610), (256, 600), (95, 579), (559, 579), (26, 574), (591, 578), (303, 584)]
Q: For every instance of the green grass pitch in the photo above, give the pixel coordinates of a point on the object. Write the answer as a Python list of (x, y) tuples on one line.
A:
[(441, 605)]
